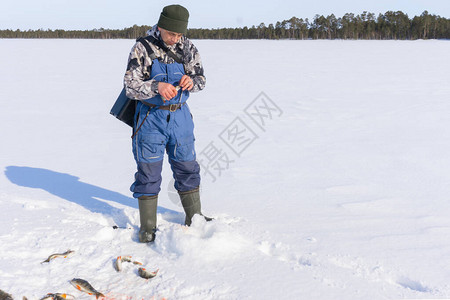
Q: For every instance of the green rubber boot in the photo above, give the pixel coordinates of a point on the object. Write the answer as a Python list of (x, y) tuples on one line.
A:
[(191, 204), (147, 216)]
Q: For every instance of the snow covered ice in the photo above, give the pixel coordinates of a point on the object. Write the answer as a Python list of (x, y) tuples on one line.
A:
[(342, 194)]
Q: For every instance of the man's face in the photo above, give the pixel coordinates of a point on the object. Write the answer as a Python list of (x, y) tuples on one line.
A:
[(169, 37)]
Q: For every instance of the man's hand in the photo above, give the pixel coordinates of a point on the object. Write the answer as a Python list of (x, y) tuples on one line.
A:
[(186, 83), (167, 91)]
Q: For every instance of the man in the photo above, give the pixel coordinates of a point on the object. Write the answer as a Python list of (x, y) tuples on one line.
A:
[(162, 81)]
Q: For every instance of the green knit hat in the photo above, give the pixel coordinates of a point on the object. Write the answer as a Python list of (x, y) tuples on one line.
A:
[(174, 18)]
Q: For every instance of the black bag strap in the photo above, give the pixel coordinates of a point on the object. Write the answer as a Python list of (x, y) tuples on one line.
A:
[(160, 44), (149, 49)]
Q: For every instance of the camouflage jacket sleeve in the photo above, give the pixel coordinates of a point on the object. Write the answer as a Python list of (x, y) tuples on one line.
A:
[(193, 66), (137, 82), (136, 79)]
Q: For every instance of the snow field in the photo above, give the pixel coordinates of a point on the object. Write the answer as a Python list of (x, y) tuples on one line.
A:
[(342, 196)]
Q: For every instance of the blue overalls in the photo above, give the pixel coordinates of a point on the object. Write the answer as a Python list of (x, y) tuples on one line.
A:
[(164, 130)]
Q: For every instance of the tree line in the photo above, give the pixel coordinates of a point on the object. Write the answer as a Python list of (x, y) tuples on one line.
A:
[(391, 25)]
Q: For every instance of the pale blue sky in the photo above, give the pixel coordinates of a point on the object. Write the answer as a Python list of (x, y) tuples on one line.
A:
[(118, 14)]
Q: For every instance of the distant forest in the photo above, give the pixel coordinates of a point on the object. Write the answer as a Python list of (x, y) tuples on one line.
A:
[(391, 25)]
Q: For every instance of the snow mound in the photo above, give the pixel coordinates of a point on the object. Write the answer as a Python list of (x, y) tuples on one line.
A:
[(202, 241)]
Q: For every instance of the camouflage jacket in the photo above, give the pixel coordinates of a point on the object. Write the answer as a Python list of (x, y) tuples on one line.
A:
[(137, 82)]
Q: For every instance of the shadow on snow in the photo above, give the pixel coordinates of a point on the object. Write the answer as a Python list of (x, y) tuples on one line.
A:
[(70, 187)]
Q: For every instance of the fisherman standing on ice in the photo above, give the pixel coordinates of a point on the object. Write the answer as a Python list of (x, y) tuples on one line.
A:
[(163, 69)]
